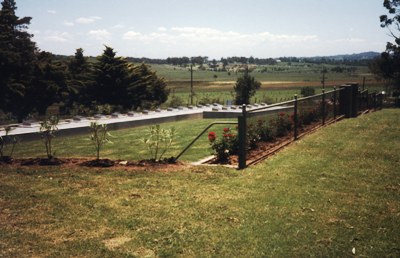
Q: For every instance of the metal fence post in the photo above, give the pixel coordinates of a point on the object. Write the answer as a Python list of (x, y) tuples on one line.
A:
[(295, 117), (334, 103), (242, 138), (323, 107)]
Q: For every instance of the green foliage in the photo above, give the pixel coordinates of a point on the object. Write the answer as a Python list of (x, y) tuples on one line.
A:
[(119, 83), (99, 136), (7, 144), (283, 123), (48, 127), (225, 145), (245, 87), (159, 140), (49, 83), (387, 66), (147, 88), (176, 101), (307, 91), (17, 54)]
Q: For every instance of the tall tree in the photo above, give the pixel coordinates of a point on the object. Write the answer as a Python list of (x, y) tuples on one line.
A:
[(387, 66), (49, 83), (245, 87), (17, 54), (146, 88), (111, 80), (80, 72)]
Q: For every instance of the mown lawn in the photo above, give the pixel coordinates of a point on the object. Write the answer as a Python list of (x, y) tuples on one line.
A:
[(127, 144), (335, 193)]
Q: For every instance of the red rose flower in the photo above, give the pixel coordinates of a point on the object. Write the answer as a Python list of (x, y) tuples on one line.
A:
[(212, 136)]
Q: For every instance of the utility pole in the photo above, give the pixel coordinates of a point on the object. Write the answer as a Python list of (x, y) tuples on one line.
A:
[(191, 85)]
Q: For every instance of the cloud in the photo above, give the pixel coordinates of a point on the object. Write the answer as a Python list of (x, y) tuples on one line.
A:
[(51, 11), (99, 34), (87, 20), (118, 26), (205, 35), (68, 24), (58, 37), (131, 35), (199, 40)]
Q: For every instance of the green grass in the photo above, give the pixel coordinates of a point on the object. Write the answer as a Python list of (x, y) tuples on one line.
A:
[(328, 193), (126, 144)]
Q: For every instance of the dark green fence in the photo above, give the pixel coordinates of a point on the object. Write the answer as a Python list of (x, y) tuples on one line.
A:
[(301, 115)]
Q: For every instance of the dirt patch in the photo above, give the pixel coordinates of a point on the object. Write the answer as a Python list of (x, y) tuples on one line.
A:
[(116, 242), (76, 163)]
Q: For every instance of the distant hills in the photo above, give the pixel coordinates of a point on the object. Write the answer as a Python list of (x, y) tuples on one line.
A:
[(351, 57)]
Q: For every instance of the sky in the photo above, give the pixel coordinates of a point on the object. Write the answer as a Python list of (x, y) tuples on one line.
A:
[(212, 28)]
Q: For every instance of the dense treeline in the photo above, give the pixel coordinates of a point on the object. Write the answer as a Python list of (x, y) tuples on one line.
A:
[(31, 80)]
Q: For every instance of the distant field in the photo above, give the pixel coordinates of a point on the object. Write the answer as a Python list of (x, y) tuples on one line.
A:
[(285, 78)]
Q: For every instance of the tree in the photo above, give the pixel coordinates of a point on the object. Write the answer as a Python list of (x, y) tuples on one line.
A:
[(17, 54), (111, 80), (80, 79), (49, 83), (245, 87), (387, 66), (119, 83), (146, 88)]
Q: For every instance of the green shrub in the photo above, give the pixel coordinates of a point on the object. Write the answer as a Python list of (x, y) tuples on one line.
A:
[(99, 136), (48, 127), (158, 141), (307, 91), (224, 146)]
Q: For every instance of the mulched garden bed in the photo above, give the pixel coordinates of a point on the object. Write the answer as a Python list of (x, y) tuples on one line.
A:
[(267, 149), (142, 165)]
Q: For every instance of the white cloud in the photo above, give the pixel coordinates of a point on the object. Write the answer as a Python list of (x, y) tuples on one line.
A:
[(58, 37), (87, 20), (131, 35), (118, 26), (68, 24), (99, 34), (213, 36), (51, 11)]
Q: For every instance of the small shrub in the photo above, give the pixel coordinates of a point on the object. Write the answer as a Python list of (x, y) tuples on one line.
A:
[(224, 146), (307, 91), (159, 140), (265, 130), (7, 142), (176, 101), (99, 136), (253, 136), (47, 129), (283, 124)]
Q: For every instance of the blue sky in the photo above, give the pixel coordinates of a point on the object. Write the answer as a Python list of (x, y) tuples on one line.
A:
[(213, 28)]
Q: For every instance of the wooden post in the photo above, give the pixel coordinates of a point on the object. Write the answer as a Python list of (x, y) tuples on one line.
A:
[(242, 138), (295, 118)]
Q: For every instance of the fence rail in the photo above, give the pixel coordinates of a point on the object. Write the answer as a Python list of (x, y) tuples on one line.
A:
[(305, 113), (296, 117)]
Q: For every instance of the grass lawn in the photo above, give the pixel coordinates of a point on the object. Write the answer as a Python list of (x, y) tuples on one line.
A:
[(127, 144), (334, 193)]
